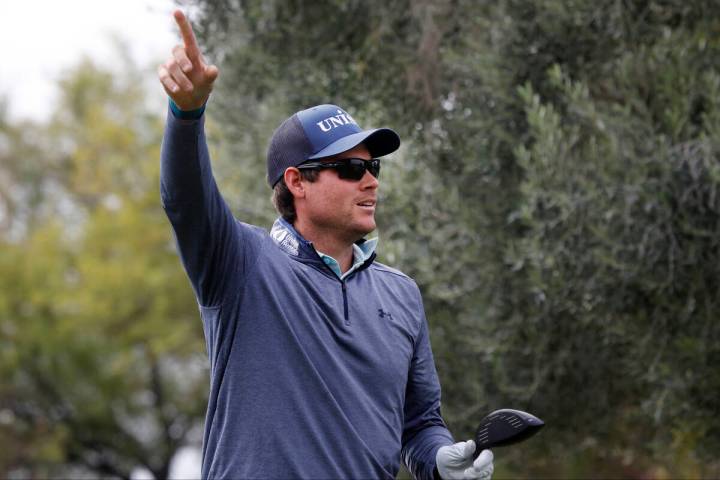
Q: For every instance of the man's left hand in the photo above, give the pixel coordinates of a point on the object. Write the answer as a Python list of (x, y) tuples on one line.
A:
[(455, 462)]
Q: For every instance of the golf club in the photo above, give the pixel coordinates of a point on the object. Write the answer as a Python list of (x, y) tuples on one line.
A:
[(505, 427)]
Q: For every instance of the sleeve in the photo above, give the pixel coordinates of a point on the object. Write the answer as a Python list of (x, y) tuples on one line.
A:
[(213, 246), (424, 431)]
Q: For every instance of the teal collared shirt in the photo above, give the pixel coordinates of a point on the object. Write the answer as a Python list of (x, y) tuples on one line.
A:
[(360, 254)]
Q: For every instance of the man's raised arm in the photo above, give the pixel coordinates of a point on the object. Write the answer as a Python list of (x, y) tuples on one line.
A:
[(212, 244)]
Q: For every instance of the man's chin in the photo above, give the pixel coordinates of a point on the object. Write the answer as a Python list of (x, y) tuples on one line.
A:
[(362, 230)]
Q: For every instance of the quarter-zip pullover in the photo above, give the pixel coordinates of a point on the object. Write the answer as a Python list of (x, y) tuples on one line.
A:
[(311, 375)]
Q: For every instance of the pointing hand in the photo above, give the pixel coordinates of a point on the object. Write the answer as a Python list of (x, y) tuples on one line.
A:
[(186, 78)]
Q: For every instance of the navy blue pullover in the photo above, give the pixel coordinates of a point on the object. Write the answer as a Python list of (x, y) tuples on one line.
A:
[(310, 376)]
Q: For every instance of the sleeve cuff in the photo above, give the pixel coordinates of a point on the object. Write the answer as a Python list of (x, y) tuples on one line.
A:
[(186, 114)]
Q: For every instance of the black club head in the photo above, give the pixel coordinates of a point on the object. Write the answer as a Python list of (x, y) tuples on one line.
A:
[(505, 427)]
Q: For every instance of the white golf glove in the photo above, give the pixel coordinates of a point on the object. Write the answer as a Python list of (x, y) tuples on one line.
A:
[(455, 462)]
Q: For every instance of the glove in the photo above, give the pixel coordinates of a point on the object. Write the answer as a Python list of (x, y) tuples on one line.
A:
[(455, 462)]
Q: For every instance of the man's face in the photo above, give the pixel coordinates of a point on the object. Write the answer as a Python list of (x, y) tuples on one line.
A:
[(339, 207)]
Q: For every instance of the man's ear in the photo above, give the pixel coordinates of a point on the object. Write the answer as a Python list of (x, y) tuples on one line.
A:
[(294, 182)]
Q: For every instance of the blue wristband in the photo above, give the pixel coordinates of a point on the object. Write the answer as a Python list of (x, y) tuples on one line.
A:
[(186, 114)]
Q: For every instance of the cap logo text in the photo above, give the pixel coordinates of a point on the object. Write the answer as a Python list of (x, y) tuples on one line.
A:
[(329, 123)]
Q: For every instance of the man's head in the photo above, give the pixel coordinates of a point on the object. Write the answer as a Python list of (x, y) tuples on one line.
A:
[(322, 134), (339, 203)]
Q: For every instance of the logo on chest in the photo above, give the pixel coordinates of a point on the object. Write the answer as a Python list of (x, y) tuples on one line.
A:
[(383, 314)]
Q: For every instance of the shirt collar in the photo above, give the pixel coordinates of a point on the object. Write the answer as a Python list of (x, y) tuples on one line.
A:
[(361, 253), (290, 240)]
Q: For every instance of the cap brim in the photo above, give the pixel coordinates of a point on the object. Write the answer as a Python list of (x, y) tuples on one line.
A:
[(379, 142)]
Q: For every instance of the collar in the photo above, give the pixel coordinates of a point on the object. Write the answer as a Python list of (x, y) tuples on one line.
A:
[(361, 254), (291, 242)]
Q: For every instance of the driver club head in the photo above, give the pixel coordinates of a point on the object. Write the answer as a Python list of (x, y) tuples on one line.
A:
[(505, 427)]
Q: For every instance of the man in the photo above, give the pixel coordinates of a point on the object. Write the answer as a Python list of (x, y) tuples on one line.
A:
[(320, 360)]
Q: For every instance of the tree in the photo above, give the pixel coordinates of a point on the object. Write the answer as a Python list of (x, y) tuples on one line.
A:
[(555, 200), (102, 361)]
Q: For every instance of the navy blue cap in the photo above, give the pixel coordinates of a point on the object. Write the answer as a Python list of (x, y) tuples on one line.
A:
[(319, 132)]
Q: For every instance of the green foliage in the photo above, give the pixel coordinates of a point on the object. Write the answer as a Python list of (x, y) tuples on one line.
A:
[(102, 365), (555, 198)]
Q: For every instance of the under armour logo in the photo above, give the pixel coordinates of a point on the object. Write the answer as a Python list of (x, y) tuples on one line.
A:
[(382, 314)]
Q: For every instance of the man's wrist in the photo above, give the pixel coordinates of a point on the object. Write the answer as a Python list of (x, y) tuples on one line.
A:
[(186, 114)]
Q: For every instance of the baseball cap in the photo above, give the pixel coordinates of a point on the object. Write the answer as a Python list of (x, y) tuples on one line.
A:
[(322, 131)]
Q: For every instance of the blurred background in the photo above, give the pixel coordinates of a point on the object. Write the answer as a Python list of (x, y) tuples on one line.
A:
[(556, 197)]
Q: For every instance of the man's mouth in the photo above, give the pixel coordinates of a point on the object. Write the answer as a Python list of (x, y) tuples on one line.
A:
[(367, 203)]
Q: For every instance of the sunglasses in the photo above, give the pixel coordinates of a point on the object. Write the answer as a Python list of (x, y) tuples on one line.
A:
[(349, 169)]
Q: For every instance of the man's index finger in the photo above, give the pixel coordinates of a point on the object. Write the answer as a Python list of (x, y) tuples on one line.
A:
[(191, 46)]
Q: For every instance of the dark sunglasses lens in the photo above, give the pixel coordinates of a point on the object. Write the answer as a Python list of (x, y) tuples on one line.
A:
[(374, 168), (355, 168)]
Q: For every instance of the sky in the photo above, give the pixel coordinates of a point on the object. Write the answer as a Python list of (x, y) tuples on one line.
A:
[(42, 38)]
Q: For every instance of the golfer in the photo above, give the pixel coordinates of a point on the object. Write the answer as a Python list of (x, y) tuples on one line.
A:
[(320, 361)]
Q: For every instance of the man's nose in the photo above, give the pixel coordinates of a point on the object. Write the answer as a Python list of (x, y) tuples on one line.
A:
[(368, 181)]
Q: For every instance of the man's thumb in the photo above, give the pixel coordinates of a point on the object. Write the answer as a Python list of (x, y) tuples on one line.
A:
[(469, 449)]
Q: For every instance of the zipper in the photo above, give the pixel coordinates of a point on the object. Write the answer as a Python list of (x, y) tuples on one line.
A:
[(342, 284), (345, 302)]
